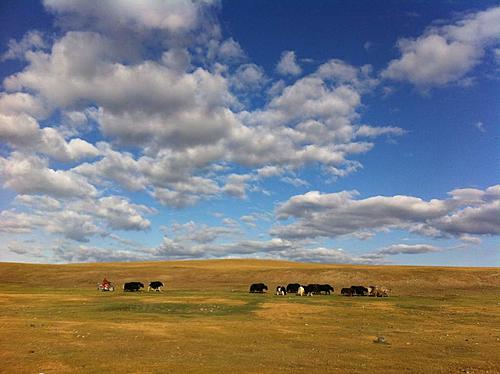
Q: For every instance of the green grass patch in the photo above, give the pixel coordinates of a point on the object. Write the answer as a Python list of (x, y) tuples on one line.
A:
[(178, 309)]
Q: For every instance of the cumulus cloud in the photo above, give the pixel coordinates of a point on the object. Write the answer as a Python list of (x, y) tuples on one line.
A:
[(174, 16), (22, 132), (27, 174), (445, 54), (236, 185), (121, 214), (76, 219), (269, 171), (249, 220), (190, 126), (467, 212), (231, 51), (287, 64), (179, 248), (340, 72), (248, 77), (21, 103), (15, 223), (32, 40), (186, 193), (94, 115), (202, 233)]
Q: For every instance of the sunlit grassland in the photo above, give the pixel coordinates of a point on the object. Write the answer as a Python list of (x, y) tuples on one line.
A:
[(437, 320)]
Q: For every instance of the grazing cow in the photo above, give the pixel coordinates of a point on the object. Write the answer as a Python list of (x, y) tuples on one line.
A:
[(301, 291), (132, 286), (347, 291), (311, 289), (156, 286), (378, 291), (326, 288), (359, 290), (293, 287), (258, 288), (280, 291)]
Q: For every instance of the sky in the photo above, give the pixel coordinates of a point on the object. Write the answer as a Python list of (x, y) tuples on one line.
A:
[(324, 131)]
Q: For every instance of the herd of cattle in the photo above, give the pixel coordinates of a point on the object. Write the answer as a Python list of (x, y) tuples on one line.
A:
[(136, 286), (294, 288), (130, 286), (318, 289)]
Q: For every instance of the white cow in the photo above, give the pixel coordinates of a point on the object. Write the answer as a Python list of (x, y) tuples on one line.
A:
[(301, 291)]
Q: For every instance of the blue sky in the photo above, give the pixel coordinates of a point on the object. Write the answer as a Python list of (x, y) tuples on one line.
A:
[(344, 132)]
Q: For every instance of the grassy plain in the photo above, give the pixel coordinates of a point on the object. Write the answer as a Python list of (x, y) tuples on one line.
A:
[(437, 320)]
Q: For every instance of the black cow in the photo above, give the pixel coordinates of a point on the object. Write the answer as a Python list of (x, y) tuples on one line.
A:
[(347, 292), (326, 288), (281, 291), (132, 286), (311, 289), (155, 285), (359, 290), (293, 287), (258, 288)]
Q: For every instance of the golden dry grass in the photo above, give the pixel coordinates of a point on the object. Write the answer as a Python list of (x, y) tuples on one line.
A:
[(437, 320)]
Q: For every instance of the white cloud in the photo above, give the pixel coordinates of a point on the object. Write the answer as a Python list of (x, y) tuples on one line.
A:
[(480, 220), (297, 182), (44, 203), (15, 223), (288, 64), (121, 214), (480, 126), (202, 233), (174, 16), (18, 129), (86, 253), (269, 171), (336, 214), (328, 255), (249, 220), (397, 249), (248, 77), (184, 193), (231, 51), (236, 185), (177, 59), (338, 71), (73, 225), (178, 248), (174, 126), (446, 53), (76, 219), (20, 103), (369, 131), (189, 126), (23, 132), (32, 40), (31, 175), (470, 239)]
